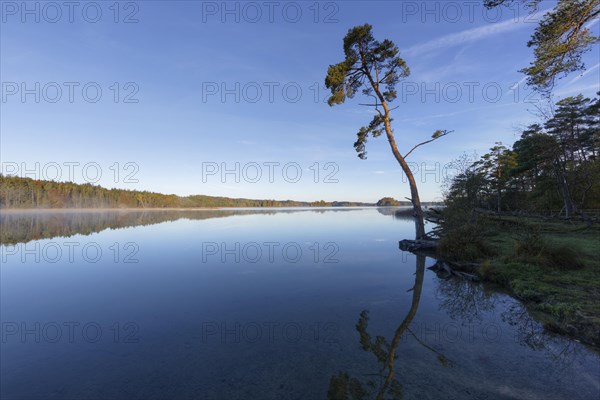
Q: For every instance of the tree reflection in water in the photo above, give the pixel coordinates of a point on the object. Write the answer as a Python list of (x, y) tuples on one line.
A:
[(529, 332), (463, 301), (344, 387)]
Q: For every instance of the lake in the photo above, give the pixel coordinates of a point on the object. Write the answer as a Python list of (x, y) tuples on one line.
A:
[(253, 304)]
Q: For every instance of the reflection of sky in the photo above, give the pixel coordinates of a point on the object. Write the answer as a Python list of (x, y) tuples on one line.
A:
[(176, 289)]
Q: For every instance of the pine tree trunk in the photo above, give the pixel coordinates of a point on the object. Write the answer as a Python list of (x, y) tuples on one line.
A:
[(499, 201), (564, 189), (563, 186), (414, 192)]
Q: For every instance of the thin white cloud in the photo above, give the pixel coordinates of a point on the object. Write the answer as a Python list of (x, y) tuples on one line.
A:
[(379, 172), (576, 89), (578, 77), (516, 86), (592, 23), (468, 36), (454, 113), (458, 65), (523, 79)]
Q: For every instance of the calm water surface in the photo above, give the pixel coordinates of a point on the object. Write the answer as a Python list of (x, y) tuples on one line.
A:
[(246, 304)]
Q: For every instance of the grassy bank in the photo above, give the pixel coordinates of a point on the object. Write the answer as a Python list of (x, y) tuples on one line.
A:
[(553, 267)]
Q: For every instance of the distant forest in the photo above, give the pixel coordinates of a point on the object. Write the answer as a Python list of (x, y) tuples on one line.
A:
[(17, 192)]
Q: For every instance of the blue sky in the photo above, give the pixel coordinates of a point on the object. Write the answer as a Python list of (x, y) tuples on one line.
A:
[(190, 88)]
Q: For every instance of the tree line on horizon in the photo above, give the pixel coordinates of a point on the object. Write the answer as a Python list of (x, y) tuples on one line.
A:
[(20, 192)]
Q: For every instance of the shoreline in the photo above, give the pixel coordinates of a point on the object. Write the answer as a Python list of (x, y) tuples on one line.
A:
[(26, 210), (558, 296)]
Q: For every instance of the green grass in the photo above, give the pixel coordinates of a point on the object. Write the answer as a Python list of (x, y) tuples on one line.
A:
[(554, 267)]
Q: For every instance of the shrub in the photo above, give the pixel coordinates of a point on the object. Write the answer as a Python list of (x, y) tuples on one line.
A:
[(563, 257), (533, 249), (464, 243), (530, 248)]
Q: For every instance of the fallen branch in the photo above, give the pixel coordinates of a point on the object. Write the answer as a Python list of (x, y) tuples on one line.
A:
[(416, 245), (442, 266)]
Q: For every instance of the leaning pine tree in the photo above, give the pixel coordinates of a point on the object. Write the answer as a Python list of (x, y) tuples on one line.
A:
[(376, 68)]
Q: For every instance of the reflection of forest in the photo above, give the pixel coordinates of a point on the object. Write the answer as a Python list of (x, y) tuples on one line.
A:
[(468, 302), (22, 227), (465, 302), (401, 213)]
